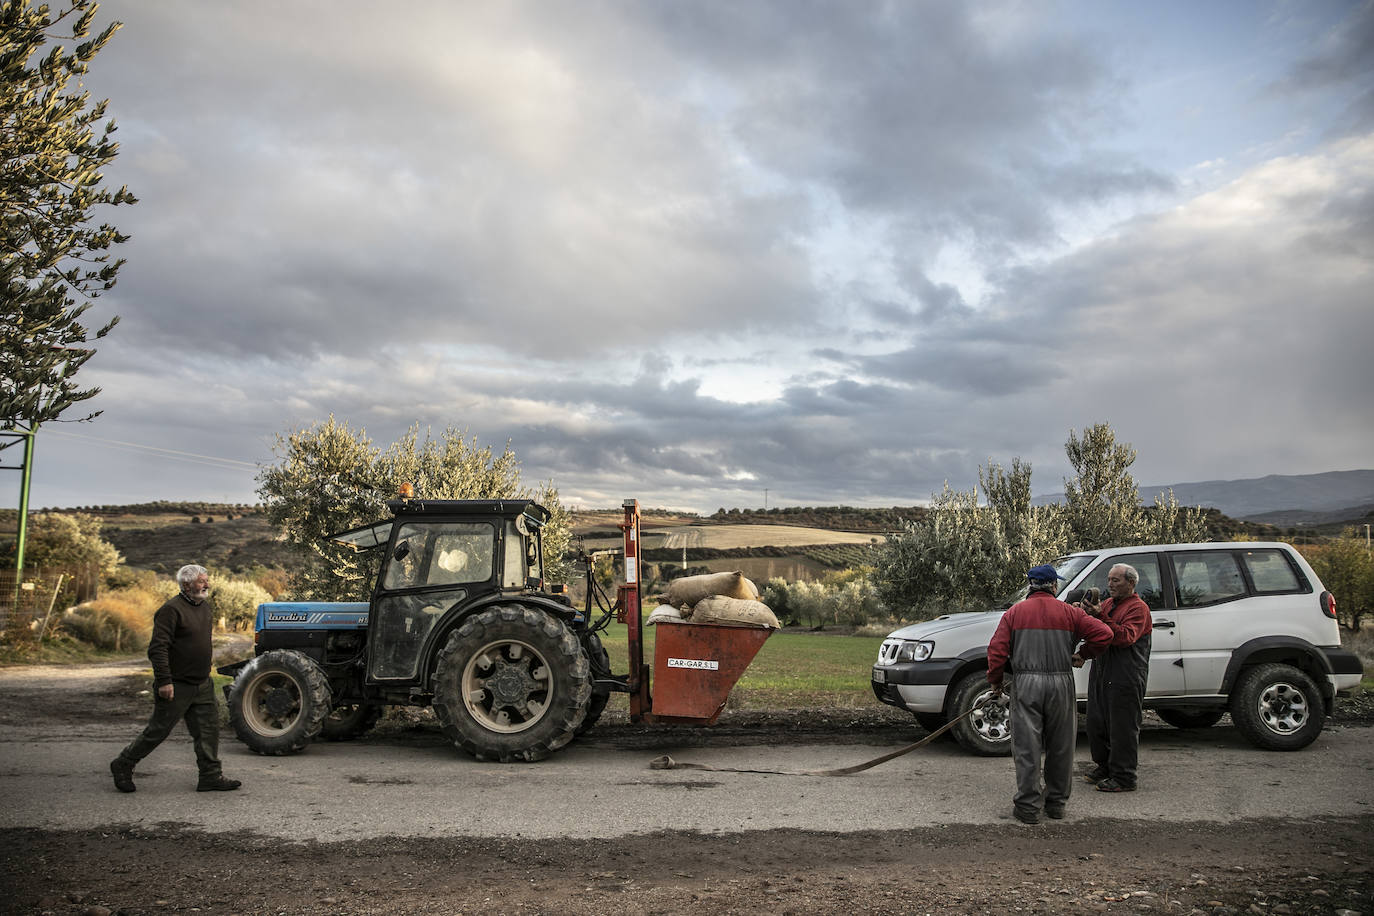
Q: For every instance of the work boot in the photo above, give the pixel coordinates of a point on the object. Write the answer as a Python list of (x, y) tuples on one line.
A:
[(1055, 812), (1112, 785), (217, 784), (1025, 816), (1096, 774), (123, 772)]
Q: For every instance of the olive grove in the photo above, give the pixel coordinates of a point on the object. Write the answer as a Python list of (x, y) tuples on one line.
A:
[(973, 548)]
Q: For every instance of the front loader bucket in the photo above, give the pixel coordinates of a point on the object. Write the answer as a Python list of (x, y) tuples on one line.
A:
[(696, 665)]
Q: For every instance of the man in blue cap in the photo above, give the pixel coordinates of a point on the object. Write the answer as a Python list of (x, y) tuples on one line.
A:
[(1035, 640)]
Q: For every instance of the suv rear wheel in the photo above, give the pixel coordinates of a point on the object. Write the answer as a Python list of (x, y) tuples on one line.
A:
[(1277, 707), (987, 732)]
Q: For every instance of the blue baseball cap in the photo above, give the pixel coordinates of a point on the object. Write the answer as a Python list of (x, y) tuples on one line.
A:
[(1045, 573)]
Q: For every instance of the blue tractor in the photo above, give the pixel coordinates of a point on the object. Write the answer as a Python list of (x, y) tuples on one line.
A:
[(458, 620)]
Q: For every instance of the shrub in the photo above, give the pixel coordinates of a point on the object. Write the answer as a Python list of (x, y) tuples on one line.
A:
[(120, 621), (237, 600), (1346, 568), (843, 599), (272, 580)]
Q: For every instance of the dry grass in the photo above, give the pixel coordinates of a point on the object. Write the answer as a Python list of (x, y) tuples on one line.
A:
[(117, 621)]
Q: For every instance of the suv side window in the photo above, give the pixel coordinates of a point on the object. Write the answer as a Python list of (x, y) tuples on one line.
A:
[(1145, 564), (1206, 577), (1272, 572)]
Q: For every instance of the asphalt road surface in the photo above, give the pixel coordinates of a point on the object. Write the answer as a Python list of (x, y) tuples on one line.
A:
[(363, 807)]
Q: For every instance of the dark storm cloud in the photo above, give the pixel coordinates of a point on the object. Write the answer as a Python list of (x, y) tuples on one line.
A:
[(687, 252), (319, 196)]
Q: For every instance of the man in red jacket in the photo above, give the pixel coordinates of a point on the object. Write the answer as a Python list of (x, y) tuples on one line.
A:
[(1036, 640), (1116, 683)]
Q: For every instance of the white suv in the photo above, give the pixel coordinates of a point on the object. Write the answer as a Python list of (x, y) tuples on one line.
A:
[(1243, 628)]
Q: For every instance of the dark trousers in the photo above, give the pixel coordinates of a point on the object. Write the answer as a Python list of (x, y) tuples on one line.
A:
[(197, 705), (1044, 723), (1114, 704)]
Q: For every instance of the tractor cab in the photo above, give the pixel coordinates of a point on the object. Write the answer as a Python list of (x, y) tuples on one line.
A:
[(438, 557)]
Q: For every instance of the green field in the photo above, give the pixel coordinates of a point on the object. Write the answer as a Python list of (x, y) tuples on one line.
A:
[(792, 670)]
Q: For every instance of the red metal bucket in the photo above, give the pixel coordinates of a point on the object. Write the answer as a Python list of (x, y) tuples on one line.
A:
[(697, 664)]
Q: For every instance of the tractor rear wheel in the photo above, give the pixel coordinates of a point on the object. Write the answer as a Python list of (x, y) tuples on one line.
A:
[(512, 683), (279, 702)]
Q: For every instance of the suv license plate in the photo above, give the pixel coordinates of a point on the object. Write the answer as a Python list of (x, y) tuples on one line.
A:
[(879, 676)]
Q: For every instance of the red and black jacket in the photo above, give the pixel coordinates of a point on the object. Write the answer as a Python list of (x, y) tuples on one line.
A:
[(1038, 636)]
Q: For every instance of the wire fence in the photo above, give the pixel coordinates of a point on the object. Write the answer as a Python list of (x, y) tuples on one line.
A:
[(44, 595)]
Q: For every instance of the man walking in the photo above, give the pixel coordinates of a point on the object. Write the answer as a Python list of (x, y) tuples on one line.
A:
[(1116, 683), (1036, 640), (181, 654)]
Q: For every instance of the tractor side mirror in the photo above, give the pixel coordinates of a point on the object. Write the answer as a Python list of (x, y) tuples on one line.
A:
[(402, 551)]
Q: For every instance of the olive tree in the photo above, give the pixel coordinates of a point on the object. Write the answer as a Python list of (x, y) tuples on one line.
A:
[(966, 554), (331, 477), (1103, 507)]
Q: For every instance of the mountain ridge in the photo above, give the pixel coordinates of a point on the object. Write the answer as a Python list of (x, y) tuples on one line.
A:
[(1326, 494)]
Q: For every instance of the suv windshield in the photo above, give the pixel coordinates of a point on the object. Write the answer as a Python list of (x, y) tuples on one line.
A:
[(1067, 567)]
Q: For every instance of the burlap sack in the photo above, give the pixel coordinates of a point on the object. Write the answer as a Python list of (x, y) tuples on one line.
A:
[(717, 609), (663, 612), (690, 589)]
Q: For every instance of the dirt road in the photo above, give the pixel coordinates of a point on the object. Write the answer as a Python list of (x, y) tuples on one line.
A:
[(401, 823)]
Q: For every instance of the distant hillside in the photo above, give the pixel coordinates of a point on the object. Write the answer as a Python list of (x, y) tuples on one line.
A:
[(1255, 498), (1355, 516), (833, 518), (164, 536)]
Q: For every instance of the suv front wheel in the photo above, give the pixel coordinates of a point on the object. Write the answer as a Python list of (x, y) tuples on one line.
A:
[(987, 732), (1277, 707)]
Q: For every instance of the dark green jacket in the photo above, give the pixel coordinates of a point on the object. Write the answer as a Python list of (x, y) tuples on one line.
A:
[(180, 647)]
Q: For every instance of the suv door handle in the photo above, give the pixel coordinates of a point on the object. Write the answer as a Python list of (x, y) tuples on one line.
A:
[(1164, 624)]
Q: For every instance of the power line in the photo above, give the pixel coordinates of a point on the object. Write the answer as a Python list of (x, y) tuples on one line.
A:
[(174, 454)]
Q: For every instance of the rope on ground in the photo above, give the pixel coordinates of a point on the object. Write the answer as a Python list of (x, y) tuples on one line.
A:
[(668, 763)]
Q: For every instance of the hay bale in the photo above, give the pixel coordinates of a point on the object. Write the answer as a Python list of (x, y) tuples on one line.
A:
[(718, 609), (690, 589)]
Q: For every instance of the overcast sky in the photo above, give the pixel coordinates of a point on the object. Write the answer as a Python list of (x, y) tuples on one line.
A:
[(699, 252)]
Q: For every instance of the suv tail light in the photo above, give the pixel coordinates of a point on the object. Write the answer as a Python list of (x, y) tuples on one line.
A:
[(1328, 601)]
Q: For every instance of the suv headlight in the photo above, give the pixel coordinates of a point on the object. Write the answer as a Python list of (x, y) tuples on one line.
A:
[(905, 650)]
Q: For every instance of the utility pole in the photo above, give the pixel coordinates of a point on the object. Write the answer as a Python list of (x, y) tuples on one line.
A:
[(1366, 539), (765, 501), (25, 469)]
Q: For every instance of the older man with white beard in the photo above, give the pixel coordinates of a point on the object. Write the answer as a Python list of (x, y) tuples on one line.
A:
[(181, 654)]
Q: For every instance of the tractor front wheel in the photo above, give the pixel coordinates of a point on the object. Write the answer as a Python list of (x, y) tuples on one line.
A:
[(512, 683), (279, 702)]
